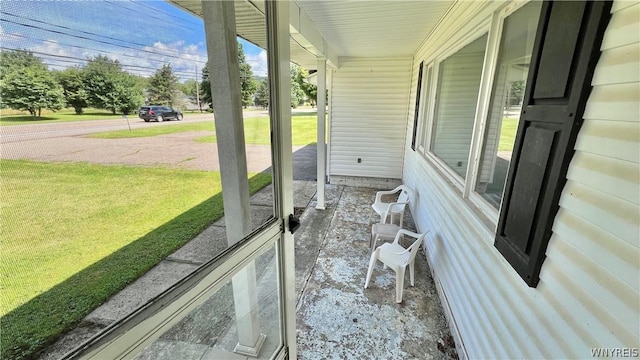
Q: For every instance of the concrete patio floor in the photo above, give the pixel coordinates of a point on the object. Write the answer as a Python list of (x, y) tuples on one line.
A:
[(336, 317)]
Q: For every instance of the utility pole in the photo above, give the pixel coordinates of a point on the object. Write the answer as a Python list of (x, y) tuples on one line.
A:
[(198, 91)]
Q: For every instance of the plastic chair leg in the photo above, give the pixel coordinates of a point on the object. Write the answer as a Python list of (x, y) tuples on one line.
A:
[(372, 241), (399, 284), (372, 264), (412, 272)]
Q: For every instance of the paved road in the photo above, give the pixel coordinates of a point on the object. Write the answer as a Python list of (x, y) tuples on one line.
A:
[(49, 130), (68, 142)]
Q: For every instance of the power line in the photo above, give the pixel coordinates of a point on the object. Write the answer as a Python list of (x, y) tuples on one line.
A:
[(68, 28), (139, 3), (100, 41), (100, 51), (79, 31), (79, 61), (151, 8), (138, 72)]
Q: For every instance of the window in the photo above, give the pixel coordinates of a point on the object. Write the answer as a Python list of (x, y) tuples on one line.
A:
[(512, 68), (517, 125), (455, 131), (455, 106)]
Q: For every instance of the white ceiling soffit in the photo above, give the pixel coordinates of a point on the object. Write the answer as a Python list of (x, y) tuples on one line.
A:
[(250, 25), (374, 28), (361, 28)]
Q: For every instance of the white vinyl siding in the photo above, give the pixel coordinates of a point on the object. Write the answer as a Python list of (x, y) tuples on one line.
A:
[(368, 117), (589, 290)]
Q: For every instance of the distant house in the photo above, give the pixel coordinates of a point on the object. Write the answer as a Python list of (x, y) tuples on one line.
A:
[(190, 103)]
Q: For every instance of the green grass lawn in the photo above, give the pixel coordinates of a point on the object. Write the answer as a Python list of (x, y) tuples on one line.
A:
[(508, 134), (303, 127), (74, 234), (13, 117), (256, 130), (155, 130), (16, 117)]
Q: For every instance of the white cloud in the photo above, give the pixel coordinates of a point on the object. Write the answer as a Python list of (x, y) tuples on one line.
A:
[(11, 39), (53, 48), (258, 63), (184, 58)]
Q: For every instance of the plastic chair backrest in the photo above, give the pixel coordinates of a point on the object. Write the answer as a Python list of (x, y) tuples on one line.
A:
[(405, 195), (394, 209), (415, 245)]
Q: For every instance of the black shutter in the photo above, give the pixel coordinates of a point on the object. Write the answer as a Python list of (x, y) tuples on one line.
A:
[(565, 54), (417, 110)]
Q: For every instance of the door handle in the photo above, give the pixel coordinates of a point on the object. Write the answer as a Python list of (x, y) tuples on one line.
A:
[(294, 223)]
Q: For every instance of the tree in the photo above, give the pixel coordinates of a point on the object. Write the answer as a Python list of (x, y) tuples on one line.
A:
[(205, 87), (299, 75), (188, 87), (109, 87), (163, 87), (248, 86), (27, 84), (127, 95), (72, 82), (262, 94), (516, 93), (297, 94), (12, 60)]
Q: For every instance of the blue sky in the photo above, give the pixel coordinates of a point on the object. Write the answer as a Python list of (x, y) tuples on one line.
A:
[(142, 35)]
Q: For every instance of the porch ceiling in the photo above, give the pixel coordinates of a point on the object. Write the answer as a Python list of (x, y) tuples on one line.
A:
[(381, 28)]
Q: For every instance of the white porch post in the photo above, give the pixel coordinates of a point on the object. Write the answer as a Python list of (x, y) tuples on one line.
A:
[(321, 147), (220, 29), (327, 152)]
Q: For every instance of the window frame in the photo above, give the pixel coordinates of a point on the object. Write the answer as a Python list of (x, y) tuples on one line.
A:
[(493, 27), (416, 110), (499, 17), (424, 115), (456, 180)]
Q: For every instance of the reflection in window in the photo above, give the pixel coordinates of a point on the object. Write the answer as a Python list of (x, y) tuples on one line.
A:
[(455, 107), (210, 330), (427, 98), (506, 101)]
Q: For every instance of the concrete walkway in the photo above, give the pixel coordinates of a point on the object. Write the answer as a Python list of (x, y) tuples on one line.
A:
[(336, 317)]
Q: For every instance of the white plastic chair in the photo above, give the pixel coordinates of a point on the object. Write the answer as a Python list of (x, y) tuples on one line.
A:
[(397, 258), (383, 231), (393, 209)]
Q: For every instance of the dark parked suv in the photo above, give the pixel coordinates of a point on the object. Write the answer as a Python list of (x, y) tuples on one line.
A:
[(159, 113)]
